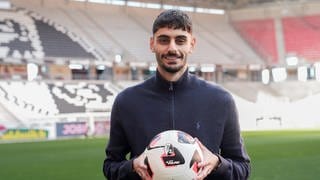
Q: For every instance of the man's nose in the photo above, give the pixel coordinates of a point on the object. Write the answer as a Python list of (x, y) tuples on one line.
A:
[(172, 46)]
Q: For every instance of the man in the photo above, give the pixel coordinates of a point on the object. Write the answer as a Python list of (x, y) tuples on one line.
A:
[(175, 99)]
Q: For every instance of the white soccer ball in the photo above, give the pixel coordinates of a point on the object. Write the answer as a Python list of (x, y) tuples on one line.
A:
[(173, 155)]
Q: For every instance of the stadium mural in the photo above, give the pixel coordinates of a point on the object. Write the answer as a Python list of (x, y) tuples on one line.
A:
[(19, 37), (24, 35)]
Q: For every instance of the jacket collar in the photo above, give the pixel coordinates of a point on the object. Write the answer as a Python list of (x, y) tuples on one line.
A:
[(182, 82)]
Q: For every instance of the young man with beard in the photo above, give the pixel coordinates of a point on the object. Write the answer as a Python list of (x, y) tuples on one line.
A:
[(175, 99)]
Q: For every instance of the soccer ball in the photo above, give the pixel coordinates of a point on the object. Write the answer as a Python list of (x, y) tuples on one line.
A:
[(173, 155)]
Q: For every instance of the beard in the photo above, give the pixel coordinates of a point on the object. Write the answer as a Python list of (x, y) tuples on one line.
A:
[(173, 67)]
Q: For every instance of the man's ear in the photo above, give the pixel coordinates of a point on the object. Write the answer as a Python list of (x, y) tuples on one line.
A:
[(151, 44), (193, 44)]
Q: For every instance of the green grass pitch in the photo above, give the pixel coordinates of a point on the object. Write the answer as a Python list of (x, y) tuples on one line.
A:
[(275, 155)]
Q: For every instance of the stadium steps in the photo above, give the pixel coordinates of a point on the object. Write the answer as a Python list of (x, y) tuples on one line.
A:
[(260, 34), (289, 91), (302, 36), (8, 118), (123, 51), (84, 31)]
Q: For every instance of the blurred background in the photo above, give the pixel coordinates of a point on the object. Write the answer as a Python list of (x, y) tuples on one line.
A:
[(62, 63)]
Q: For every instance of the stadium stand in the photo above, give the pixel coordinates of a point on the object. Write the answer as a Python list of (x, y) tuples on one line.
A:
[(84, 24), (260, 34), (301, 36), (122, 27), (219, 32), (47, 99), (7, 120), (83, 29), (57, 44), (85, 53), (19, 38), (29, 36), (81, 97), (213, 33), (291, 91), (127, 33), (27, 102)]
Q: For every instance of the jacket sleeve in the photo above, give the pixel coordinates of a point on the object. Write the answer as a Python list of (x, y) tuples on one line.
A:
[(235, 162), (116, 166)]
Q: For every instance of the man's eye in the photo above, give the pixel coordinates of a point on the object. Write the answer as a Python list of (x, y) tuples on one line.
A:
[(163, 41), (180, 41)]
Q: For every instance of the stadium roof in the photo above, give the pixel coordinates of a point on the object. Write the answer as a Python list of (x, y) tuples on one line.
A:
[(224, 4)]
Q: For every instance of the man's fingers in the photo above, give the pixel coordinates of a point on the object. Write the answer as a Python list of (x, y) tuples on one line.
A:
[(197, 140), (147, 176), (202, 147), (203, 164), (144, 174), (203, 173), (141, 174)]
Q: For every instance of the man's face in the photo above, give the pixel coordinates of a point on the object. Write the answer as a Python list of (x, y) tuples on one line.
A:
[(171, 47)]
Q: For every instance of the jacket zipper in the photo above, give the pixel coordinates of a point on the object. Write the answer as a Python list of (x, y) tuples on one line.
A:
[(171, 90)]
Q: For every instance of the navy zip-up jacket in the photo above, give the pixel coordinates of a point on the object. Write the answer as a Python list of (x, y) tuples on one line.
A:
[(203, 110)]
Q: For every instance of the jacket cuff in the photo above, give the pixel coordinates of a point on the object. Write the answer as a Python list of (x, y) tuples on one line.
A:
[(129, 165), (223, 167), (127, 170)]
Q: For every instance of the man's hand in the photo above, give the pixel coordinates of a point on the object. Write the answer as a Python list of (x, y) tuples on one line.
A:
[(141, 168), (209, 163)]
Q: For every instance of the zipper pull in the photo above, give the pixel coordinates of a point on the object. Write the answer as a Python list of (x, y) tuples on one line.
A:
[(171, 86)]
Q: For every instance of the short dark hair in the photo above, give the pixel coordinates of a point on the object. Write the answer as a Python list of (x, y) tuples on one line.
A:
[(174, 19)]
